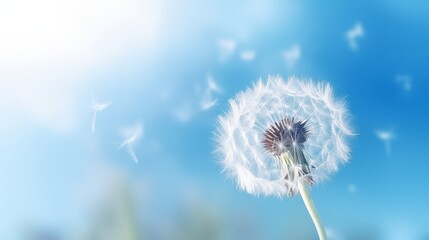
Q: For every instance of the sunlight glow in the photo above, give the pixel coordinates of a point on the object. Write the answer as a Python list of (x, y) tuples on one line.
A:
[(39, 31)]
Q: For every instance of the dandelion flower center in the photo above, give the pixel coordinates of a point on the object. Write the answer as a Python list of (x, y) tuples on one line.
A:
[(284, 136), (285, 141)]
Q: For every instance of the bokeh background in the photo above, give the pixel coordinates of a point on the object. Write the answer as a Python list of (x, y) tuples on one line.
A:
[(167, 68)]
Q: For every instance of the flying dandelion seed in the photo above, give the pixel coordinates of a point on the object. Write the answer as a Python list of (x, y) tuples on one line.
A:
[(207, 101), (278, 137), (212, 85), (97, 107), (226, 47), (248, 55), (353, 34), (131, 135), (292, 55), (184, 112), (405, 81), (386, 137)]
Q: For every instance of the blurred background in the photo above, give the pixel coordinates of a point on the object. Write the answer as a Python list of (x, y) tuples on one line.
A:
[(107, 113)]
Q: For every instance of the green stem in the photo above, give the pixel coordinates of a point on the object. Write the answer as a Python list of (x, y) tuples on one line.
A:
[(312, 210)]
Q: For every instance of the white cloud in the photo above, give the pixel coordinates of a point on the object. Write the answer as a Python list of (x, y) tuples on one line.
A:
[(353, 34), (248, 55), (208, 101), (97, 107), (405, 81), (131, 135), (386, 137), (292, 55), (226, 47)]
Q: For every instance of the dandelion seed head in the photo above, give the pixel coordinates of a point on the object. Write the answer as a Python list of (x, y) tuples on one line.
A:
[(280, 132)]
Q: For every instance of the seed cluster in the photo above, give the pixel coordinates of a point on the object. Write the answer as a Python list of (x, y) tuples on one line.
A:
[(284, 139), (284, 136)]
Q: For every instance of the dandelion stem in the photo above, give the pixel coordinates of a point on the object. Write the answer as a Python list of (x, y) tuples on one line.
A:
[(312, 210)]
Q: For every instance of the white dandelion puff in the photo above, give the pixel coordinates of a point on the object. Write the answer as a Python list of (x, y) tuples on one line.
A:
[(97, 107), (131, 136), (279, 136)]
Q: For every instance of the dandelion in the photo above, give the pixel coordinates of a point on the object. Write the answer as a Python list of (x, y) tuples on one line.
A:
[(278, 137), (97, 107)]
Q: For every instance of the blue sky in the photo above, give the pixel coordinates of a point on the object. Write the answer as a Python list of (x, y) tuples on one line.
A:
[(153, 59)]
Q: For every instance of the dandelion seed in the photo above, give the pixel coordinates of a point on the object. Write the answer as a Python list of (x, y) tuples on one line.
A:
[(184, 112), (212, 85), (207, 100), (386, 137), (406, 82), (247, 55), (97, 107), (278, 137), (353, 34), (131, 136), (227, 48), (292, 55)]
